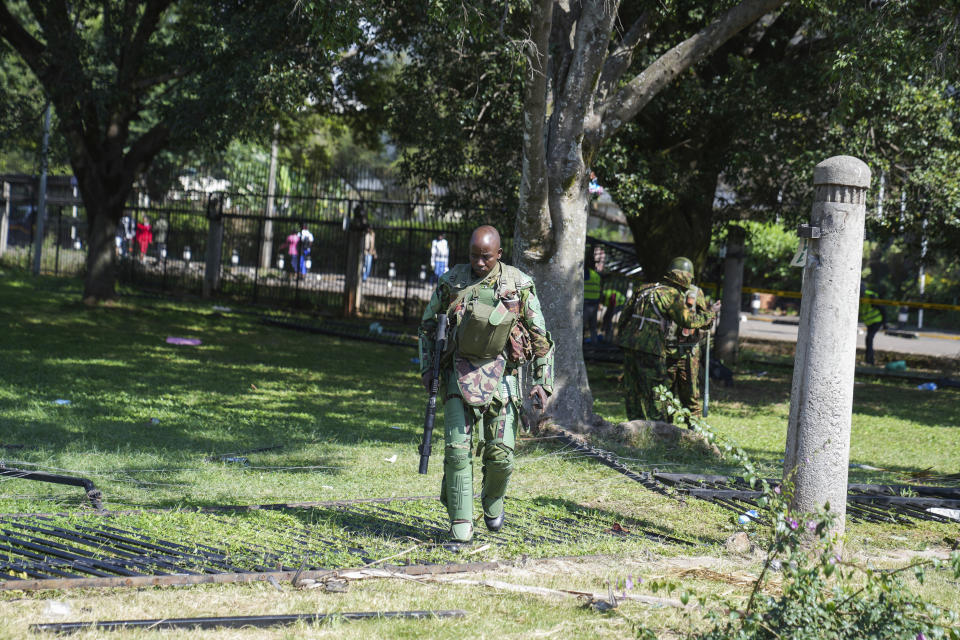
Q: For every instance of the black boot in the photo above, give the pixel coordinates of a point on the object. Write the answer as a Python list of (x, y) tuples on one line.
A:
[(493, 524)]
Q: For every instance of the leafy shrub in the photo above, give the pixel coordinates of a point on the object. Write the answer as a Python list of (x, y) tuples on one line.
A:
[(822, 596)]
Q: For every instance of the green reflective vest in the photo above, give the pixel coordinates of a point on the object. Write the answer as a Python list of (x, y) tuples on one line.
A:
[(591, 287), (869, 314)]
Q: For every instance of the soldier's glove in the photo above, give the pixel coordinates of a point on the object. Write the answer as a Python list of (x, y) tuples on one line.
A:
[(426, 377)]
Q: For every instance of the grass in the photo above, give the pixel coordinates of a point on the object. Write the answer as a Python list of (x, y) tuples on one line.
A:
[(149, 422)]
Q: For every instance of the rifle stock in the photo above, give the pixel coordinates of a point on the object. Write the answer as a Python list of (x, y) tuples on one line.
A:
[(439, 348)]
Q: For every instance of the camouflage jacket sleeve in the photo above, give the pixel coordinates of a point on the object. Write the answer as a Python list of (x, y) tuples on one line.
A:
[(532, 318), (675, 307), (427, 332)]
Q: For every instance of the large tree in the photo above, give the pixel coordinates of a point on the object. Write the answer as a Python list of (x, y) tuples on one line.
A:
[(582, 86), (130, 78), (760, 108)]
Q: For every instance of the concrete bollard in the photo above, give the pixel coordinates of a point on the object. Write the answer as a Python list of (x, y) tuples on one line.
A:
[(821, 397), (728, 329)]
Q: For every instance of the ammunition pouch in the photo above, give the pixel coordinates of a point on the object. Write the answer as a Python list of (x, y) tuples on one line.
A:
[(484, 330)]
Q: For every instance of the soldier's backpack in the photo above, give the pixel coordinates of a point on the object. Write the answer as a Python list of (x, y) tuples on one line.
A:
[(642, 326), (485, 323)]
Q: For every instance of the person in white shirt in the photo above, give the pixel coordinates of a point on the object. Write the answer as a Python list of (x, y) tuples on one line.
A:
[(439, 256), (305, 244)]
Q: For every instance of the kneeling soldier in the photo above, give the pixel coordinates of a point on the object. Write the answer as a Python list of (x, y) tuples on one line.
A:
[(495, 327)]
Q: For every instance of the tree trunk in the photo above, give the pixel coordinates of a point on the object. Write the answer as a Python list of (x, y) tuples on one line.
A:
[(680, 230), (100, 281), (559, 283)]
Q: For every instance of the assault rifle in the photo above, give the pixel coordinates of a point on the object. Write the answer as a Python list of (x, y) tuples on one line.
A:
[(439, 347)]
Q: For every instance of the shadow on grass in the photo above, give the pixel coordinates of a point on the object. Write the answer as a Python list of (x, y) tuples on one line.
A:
[(118, 372), (647, 528)]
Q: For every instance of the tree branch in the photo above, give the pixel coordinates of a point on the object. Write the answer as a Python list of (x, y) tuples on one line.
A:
[(143, 150), (759, 30), (131, 52), (533, 230), (621, 57), (577, 95), (645, 86), (29, 48)]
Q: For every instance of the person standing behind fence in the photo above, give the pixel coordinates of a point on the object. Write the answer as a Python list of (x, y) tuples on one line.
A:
[(613, 302), (591, 296), (160, 228), (439, 256), (125, 233), (290, 244), (304, 246), (873, 318), (144, 236), (369, 248)]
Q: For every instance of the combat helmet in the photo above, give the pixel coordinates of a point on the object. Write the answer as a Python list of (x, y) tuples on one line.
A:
[(681, 264)]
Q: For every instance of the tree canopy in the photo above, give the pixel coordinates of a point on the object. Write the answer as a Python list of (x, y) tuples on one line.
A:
[(130, 78)]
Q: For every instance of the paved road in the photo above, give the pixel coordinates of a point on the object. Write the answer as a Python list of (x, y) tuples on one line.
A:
[(930, 343)]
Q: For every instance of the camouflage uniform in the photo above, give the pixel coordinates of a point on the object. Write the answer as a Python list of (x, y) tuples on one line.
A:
[(483, 392), (659, 333)]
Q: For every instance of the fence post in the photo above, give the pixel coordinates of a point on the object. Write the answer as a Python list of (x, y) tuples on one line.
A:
[(211, 276), (42, 196), (353, 280), (728, 329), (5, 218), (410, 264), (821, 397), (56, 262)]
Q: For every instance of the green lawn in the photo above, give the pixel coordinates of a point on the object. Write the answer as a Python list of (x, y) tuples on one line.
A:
[(343, 420)]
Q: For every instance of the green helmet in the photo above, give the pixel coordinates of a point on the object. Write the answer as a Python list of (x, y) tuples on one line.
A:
[(681, 264)]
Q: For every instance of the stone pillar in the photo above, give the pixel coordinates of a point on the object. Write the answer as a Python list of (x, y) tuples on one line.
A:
[(211, 275), (5, 217), (821, 398), (728, 329)]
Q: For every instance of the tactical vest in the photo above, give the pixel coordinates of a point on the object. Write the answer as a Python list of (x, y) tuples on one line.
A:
[(644, 327), (484, 323)]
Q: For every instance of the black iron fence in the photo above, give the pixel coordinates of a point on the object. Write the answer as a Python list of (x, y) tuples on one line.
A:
[(163, 247), (258, 263)]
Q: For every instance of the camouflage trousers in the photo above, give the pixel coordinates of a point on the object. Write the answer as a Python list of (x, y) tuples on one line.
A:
[(643, 372), (684, 374), (497, 440)]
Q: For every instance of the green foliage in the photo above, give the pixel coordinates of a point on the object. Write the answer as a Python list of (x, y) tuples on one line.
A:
[(822, 596), (768, 247), (458, 105)]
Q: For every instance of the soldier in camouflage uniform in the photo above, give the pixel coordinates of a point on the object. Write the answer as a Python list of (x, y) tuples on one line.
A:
[(660, 332), (496, 326)]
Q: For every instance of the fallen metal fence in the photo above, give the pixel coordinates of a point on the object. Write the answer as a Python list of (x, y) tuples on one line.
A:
[(48, 551), (892, 503)]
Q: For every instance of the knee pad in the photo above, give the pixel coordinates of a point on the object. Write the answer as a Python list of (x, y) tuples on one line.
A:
[(497, 455), (456, 457)]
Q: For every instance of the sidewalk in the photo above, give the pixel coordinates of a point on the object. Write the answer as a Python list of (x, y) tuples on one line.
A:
[(937, 343)]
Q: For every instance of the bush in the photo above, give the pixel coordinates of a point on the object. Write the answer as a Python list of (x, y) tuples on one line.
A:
[(822, 596)]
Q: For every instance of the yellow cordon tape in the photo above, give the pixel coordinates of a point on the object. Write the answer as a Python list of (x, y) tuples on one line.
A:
[(889, 303)]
